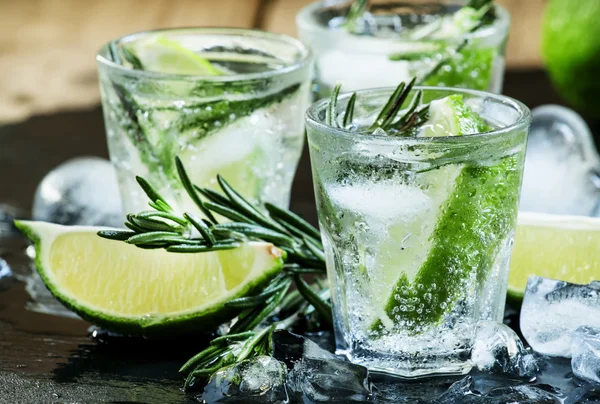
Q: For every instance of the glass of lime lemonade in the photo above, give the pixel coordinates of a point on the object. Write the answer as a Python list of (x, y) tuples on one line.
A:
[(417, 226), (446, 44), (226, 101)]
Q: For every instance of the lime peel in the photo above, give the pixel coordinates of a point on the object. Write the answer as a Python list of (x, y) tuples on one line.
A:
[(168, 56)]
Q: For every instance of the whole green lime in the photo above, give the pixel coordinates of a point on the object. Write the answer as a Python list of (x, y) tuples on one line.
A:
[(571, 49)]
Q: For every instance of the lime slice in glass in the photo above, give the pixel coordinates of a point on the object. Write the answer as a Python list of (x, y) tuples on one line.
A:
[(165, 55), (472, 200)]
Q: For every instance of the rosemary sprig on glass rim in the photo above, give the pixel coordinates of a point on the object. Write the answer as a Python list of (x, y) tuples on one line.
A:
[(276, 305), (392, 118)]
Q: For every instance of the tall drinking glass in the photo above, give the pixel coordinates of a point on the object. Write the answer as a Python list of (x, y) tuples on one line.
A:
[(440, 44), (225, 101), (417, 231)]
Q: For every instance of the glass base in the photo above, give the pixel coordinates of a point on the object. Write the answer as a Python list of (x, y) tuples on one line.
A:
[(454, 364)]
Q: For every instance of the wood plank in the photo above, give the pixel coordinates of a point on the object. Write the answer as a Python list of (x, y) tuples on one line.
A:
[(524, 38), (48, 47), (523, 49)]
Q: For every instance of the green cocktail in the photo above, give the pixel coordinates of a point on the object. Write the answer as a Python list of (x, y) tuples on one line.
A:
[(381, 44), (417, 214), (226, 101)]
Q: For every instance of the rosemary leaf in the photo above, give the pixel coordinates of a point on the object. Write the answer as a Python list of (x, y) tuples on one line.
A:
[(331, 112), (253, 301), (246, 352), (120, 235), (202, 228), (259, 232), (313, 298), (293, 220), (154, 237), (297, 269), (393, 106), (214, 196), (200, 357), (316, 250), (164, 215), (255, 316), (246, 207), (349, 114), (189, 187), (234, 235), (137, 229), (151, 192), (186, 248), (132, 58), (229, 213), (225, 340), (151, 224)]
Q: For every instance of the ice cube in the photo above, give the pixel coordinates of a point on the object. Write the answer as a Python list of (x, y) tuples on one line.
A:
[(389, 389), (80, 191), (380, 203), (322, 376), (8, 214), (6, 275), (585, 350), (465, 391), (256, 380), (552, 310), (561, 164), (499, 349)]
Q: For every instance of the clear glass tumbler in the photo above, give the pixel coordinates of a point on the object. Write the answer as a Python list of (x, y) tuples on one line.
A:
[(440, 44), (225, 101), (417, 231)]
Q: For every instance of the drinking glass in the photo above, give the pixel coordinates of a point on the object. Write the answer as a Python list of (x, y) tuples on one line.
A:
[(244, 122), (417, 231), (396, 41)]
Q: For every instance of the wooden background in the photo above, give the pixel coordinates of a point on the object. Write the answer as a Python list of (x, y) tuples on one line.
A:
[(47, 47)]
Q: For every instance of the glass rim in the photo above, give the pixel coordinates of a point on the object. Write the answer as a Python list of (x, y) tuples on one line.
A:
[(304, 59), (304, 22), (523, 120)]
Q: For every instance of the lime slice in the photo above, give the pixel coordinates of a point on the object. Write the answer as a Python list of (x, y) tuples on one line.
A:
[(137, 291), (476, 207), (168, 56), (554, 246), (450, 116)]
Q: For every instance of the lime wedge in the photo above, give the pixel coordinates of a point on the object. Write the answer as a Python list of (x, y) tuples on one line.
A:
[(450, 116), (554, 246), (476, 207), (168, 56), (136, 291)]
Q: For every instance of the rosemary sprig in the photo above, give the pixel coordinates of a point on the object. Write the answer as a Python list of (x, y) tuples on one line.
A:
[(277, 304), (164, 228), (392, 118)]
